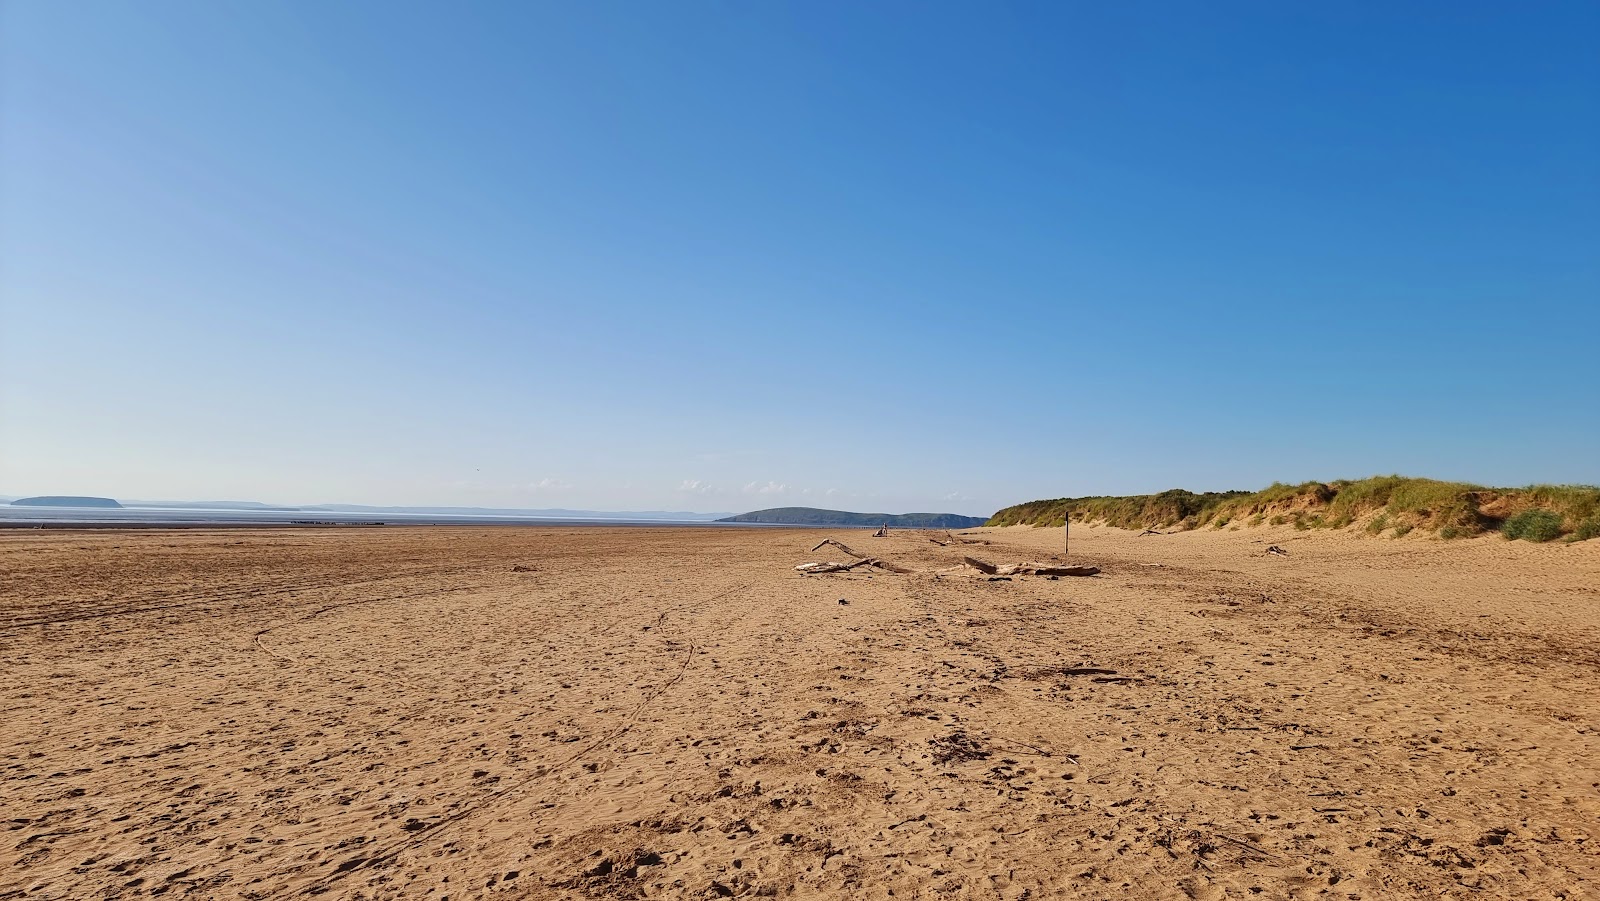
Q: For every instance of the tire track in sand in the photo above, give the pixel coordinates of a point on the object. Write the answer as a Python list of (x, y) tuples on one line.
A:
[(394, 849)]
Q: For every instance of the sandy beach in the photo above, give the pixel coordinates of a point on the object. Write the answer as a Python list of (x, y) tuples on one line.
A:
[(676, 713)]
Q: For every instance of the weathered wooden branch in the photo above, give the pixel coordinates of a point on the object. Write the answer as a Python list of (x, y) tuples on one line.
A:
[(840, 545), (812, 569), (861, 560), (989, 569)]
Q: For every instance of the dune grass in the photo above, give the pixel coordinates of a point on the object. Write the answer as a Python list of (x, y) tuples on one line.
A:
[(1589, 528), (1534, 525), (1376, 504), (1136, 512)]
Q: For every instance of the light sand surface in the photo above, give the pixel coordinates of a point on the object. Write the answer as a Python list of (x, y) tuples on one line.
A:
[(396, 713)]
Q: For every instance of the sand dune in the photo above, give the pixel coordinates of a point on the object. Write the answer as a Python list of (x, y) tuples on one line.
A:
[(399, 713)]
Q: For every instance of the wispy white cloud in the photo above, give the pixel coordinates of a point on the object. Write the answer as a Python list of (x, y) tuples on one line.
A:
[(696, 486), (768, 487), (549, 485)]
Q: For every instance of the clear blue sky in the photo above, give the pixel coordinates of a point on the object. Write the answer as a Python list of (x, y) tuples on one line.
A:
[(880, 256)]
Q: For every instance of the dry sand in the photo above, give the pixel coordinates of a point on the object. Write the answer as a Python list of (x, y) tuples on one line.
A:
[(388, 713)]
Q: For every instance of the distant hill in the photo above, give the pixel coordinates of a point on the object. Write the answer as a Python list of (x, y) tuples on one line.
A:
[(811, 516), (1382, 504), (65, 501)]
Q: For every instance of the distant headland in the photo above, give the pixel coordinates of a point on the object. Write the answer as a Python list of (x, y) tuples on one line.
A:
[(52, 500)]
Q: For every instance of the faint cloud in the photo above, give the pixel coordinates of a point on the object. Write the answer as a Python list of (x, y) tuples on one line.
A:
[(720, 456), (549, 485), (955, 496), (766, 488), (695, 486)]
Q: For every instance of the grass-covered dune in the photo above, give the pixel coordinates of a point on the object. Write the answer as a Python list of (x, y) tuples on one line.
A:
[(1392, 505)]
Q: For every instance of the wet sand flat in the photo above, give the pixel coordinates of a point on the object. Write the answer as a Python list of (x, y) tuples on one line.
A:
[(660, 712)]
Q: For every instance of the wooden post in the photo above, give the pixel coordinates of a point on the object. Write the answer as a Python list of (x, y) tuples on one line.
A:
[(1066, 534)]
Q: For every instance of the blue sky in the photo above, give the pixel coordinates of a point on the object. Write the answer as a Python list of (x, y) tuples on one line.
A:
[(719, 256)]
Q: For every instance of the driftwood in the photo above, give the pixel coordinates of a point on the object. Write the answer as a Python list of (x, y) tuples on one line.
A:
[(812, 569), (987, 569), (1276, 551), (1039, 569), (861, 560), (1029, 569), (1150, 532)]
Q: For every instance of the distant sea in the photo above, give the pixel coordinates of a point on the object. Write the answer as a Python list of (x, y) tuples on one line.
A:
[(90, 517)]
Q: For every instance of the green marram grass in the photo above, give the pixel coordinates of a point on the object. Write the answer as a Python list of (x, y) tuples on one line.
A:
[(1589, 528), (1533, 525), (1376, 504)]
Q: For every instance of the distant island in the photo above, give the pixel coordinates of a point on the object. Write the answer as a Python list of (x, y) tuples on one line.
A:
[(65, 501), (811, 516)]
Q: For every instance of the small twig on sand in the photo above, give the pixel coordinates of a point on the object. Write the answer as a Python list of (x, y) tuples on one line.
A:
[(1033, 748), (1244, 844)]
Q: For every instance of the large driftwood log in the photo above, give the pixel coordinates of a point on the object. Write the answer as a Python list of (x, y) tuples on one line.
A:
[(812, 569), (987, 569), (1040, 569), (1029, 569)]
